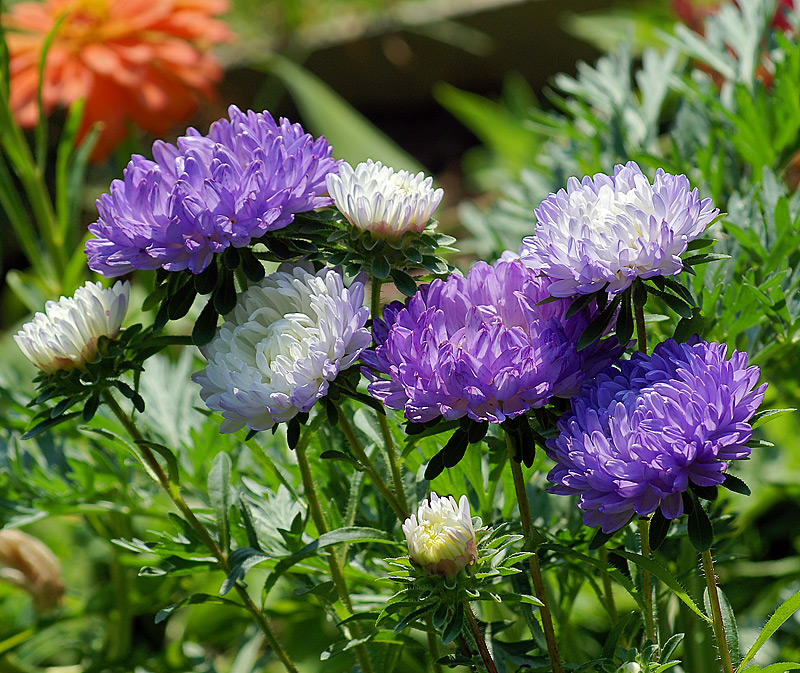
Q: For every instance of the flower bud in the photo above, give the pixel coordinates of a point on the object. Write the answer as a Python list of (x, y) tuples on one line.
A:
[(28, 563), (629, 667), (440, 536), (66, 334), (375, 198)]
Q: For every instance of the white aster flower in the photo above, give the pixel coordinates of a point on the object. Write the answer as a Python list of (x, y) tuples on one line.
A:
[(614, 229), (440, 536), (66, 334), (386, 202), (287, 338)]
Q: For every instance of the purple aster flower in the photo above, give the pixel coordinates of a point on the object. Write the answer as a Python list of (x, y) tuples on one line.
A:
[(606, 231), (248, 176), (643, 429), (480, 346)]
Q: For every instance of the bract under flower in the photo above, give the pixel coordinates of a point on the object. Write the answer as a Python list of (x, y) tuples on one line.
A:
[(645, 428), (66, 334), (606, 231), (440, 536), (481, 346), (376, 198), (288, 337), (248, 176)]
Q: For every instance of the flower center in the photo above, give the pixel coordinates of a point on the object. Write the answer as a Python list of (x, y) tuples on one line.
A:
[(286, 341), (84, 19)]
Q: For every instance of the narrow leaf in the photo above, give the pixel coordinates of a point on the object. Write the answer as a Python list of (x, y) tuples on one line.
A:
[(219, 492), (786, 610)]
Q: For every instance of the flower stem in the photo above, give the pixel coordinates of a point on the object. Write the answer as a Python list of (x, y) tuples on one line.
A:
[(433, 646), (173, 492), (647, 581), (310, 491), (361, 455), (608, 592), (533, 561), (477, 636), (641, 333), (716, 611)]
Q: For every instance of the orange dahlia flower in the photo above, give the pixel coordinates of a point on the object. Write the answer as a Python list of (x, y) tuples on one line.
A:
[(140, 61)]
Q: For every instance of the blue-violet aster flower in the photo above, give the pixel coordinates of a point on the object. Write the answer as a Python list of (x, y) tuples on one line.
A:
[(644, 429), (287, 338), (248, 176), (480, 346), (606, 231)]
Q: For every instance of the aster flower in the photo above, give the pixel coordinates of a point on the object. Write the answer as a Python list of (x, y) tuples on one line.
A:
[(275, 355), (606, 231), (376, 198), (480, 346), (440, 536), (140, 61), (66, 334), (644, 429), (248, 176)]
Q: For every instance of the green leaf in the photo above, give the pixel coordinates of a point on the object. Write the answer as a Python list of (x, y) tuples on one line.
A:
[(219, 492), (194, 599), (786, 610), (453, 628), (728, 621), (659, 571), (206, 326), (735, 484), (352, 136), (768, 415), (701, 534), (334, 537), (380, 267), (659, 527), (48, 423), (780, 667), (173, 473), (224, 296), (403, 282), (598, 326), (624, 327)]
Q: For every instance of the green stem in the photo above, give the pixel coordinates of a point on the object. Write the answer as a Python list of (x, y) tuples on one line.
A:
[(433, 646), (310, 491), (647, 581), (480, 642), (608, 592), (716, 611), (361, 456), (533, 561), (173, 492)]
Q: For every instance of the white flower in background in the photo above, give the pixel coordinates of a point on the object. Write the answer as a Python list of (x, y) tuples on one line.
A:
[(440, 536), (287, 338), (629, 667), (66, 334), (386, 202), (606, 231)]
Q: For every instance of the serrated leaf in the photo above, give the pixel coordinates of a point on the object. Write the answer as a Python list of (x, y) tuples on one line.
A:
[(786, 610), (735, 484)]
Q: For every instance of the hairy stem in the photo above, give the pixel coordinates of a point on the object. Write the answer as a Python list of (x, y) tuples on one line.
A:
[(647, 581), (310, 491), (173, 492), (533, 561), (388, 440), (608, 592), (716, 611), (361, 455), (433, 646), (477, 636)]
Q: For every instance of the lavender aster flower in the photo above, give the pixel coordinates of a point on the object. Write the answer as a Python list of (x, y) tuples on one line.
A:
[(248, 176), (645, 428), (288, 337), (614, 229), (480, 346)]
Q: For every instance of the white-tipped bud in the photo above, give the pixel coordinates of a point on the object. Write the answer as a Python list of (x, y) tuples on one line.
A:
[(629, 667), (379, 199), (28, 563), (440, 536), (66, 334)]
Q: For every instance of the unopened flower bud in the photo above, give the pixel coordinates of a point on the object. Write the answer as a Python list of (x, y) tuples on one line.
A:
[(28, 563), (66, 334), (440, 536), (629, 667), (376, 198)]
